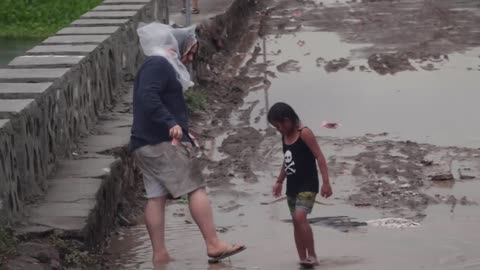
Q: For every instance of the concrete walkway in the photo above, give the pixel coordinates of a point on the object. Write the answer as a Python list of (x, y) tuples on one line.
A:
[(78, 194)]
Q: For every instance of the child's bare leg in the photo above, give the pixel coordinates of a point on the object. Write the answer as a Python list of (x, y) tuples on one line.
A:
[(195, 4), (302, 251), (300, 223), (310, 242), (304, 234)]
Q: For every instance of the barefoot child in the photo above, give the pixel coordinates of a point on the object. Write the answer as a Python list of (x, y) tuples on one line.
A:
[(301, 152)]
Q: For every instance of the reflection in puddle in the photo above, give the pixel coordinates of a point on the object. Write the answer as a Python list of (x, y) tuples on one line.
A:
[(419, 106), (436, 106)]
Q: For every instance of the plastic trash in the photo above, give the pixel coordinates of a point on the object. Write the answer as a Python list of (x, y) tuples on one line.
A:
[(330, 125), (393, 223), (297, 14)]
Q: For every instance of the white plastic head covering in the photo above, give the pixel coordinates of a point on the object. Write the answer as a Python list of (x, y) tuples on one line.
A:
[(157, 39), (186, 39)]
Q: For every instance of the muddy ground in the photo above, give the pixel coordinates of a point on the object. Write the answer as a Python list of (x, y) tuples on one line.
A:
[(391, 175), (375, 174)]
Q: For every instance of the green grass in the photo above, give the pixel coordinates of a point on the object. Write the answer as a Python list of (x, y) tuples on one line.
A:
[(196, 100), (39, 18), (8, 244)]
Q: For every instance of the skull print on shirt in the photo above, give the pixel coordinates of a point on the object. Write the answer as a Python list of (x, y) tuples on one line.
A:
[(289, 163)]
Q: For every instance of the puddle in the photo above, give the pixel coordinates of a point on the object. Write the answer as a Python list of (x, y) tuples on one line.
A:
[(446, 240), (437, 107)]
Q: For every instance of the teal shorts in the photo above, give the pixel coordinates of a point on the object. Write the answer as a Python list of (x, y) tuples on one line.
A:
[(304, 201)]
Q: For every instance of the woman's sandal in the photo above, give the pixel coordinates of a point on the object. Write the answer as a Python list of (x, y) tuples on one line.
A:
[(227, 253)]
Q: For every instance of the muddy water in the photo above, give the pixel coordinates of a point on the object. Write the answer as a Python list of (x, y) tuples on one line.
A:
[(445, 240), (435, 104), (437, 107)]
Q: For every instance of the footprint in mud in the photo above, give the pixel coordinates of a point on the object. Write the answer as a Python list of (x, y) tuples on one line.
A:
[(289, 66), (341, 223)]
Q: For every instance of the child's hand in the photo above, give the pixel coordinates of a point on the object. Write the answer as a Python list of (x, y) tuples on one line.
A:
[(277, 190), (326, 191)]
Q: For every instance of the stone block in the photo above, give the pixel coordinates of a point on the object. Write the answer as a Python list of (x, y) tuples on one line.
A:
[(94, 30), (12, 107), (76, 39), (85, 168), (22, 90), (62, 50), (46, 61), (99, 22), (9, 199), (80, 208), (32, 75), (114, 2), (109, 14), (118, 7), (72, 189)]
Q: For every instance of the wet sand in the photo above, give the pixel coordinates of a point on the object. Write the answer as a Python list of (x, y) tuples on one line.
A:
[(402, 127)]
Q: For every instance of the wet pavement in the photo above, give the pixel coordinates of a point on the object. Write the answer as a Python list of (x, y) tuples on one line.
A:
[(399, 130)]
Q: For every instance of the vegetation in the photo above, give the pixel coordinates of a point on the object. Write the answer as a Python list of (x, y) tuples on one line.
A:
[(72, 256), (39, 18), (7, 244), (196, 100)]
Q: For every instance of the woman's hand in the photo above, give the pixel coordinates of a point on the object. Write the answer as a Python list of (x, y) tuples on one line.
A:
[(176, 133)]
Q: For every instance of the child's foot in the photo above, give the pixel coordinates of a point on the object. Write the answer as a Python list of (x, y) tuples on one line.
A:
[(314, 260), (307, 264), (195, 11)]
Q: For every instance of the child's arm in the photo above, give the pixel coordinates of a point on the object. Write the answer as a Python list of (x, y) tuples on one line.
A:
[(277, 187), (309, 138)]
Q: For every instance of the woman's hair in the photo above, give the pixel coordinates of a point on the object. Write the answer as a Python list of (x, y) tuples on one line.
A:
[(279, 111)]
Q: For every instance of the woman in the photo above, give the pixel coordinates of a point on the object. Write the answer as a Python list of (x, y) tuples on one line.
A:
[(159, 118)]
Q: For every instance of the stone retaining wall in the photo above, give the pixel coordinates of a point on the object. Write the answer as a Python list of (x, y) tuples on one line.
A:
[(53, 94)]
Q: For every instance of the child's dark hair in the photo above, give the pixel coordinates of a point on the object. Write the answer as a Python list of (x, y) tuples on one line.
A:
[(279, 111)]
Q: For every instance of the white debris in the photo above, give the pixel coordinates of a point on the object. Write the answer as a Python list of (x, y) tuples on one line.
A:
[(107, 170), (393, 223)]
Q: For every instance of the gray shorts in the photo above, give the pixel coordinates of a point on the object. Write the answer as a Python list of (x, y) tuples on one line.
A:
[(169, 169)]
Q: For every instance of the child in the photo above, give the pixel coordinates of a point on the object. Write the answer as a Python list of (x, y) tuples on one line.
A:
[(301, 150)]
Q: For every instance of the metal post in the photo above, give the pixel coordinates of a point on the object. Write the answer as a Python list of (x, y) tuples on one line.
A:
[(167, 12), (267, 103), (188, 13)]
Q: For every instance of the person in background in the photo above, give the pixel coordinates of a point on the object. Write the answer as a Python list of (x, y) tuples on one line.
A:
[(195, 9), (159, 118), (301, 153)]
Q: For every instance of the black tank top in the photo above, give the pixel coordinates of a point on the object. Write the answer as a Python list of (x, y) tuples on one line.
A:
[(300, 167)]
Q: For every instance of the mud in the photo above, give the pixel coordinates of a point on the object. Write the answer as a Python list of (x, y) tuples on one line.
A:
[(390, 159)]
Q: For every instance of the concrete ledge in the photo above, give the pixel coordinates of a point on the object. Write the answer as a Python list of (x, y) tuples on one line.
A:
[(50, 61), (22, 90), (115, 2), (62, 50), (109, 14), (118, 7), (11, 107), (76, 39), (32, 75), (99, 22), (104, 30)]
